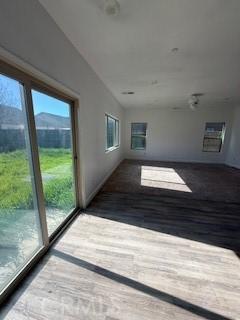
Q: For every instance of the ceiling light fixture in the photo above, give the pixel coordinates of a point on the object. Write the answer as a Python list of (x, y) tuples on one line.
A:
[(111, 7), (193, 101)]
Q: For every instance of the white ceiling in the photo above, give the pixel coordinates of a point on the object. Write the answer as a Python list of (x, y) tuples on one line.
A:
[(133, 51)]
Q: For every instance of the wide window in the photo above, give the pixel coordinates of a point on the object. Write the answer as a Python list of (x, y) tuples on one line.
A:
[(213, 136), (112, 132), (38, 164), (138, 136)]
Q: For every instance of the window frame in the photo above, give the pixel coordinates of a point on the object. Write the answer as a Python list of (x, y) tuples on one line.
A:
[(209, 138), (116, 137), (30, 82), (138, 135)]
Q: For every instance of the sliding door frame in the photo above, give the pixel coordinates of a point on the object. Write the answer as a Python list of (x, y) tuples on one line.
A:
[(29, 82), (35, 163)]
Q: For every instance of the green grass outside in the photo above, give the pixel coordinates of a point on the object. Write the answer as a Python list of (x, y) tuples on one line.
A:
[(15, 182)]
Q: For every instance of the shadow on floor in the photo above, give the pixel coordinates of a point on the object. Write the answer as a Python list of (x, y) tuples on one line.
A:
[(237, 254), (208, 213), (163, 296), (199, 311), (213, 223)]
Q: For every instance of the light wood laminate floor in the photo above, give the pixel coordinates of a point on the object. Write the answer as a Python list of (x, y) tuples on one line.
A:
[(160, 241)]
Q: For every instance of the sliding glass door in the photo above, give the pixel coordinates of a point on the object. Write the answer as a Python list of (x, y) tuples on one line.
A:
[(20, 231), (38, 165), (54, 136)]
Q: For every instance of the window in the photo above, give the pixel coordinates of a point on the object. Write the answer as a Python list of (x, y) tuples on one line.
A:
[(38, 164), (138, 136), (214, 136), (112, 132), (54, 137)]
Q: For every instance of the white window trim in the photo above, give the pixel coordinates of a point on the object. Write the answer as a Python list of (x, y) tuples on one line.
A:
[(108, 150), (139, 149), (222, 138)]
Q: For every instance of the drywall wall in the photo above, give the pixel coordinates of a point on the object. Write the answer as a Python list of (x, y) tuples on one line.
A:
[(28, 32), (177, 135), (233, 156)]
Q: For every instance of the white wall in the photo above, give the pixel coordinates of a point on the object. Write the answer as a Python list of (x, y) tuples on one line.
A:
[(177, 135), (28, 32), (233, 157)]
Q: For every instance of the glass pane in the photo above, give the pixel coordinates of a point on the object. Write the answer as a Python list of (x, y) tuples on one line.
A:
[(212, 145), (110, 132), (139, 129), (138, 142), (214, 130), (20, 235), (214, 136), (54, 134)]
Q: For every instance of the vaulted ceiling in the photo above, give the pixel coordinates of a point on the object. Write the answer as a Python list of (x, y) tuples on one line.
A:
[(162, 50)]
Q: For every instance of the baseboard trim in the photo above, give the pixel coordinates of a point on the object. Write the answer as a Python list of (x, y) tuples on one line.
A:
[(233, 166), (179, 160), (97, 189)]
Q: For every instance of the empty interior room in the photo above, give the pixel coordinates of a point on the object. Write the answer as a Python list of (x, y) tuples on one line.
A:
[(120, 159)]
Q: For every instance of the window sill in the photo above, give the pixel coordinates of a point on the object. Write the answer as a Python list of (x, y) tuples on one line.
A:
[(111, 149)]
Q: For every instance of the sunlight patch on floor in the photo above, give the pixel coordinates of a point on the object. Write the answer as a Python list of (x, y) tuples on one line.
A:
[(162, 178)]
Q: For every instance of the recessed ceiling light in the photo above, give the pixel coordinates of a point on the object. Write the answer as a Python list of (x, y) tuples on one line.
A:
[(175, 50), (128, 92)]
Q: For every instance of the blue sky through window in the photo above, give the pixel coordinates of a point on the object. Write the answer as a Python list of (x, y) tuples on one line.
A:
[(10, 94), (45, 103)]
